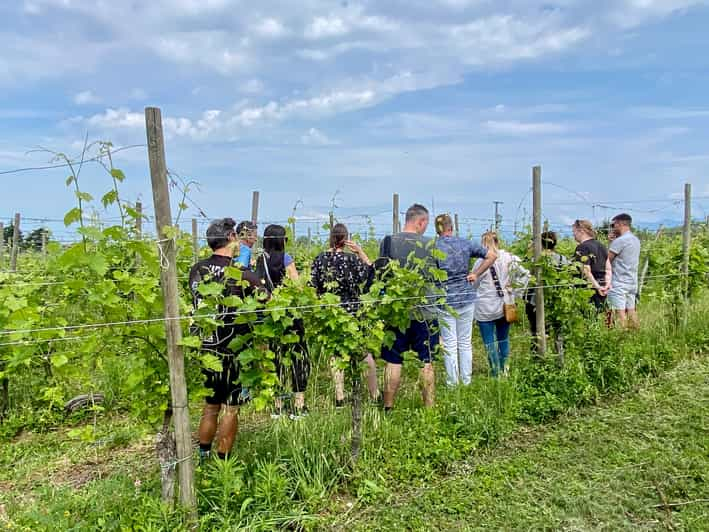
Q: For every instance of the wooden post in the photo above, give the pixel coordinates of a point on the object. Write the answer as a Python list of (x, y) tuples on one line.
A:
[(457, 225), (254, 206), (395, 215), (195, 239), (332, 220), (537, 236), (173, 330), (310, 238), (686, 237), (44, 244), (15, 243)]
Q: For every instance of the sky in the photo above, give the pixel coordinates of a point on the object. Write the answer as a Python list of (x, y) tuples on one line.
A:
[(447, 102)]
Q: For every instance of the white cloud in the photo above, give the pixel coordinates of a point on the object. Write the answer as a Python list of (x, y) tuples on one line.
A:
[(117, 118), (326, 27), (270, 28), (86, 98), (513, 127), (315, 137), (214, 49)]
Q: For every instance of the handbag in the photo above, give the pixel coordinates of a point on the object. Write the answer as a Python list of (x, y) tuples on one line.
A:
[(509, 309)]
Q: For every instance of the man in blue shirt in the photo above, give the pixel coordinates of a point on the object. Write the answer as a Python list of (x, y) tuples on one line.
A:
[(246, 232)]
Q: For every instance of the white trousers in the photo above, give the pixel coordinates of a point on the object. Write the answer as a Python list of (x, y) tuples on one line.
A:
[(456, 332)]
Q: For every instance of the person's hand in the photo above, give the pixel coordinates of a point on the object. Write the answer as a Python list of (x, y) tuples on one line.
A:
[(472, 277), (354, 247)]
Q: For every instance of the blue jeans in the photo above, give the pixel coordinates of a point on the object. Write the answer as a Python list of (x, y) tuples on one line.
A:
[(496, 337)]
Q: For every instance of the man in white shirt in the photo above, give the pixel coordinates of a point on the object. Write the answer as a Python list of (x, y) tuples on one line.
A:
[(624, 254)]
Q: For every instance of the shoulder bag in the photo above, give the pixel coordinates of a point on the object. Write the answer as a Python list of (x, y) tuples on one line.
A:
[(509, 309)]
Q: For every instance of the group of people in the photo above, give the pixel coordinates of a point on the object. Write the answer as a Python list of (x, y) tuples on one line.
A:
[(483, 281)]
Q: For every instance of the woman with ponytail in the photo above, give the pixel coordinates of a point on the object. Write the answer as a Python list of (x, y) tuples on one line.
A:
[(345, 274)]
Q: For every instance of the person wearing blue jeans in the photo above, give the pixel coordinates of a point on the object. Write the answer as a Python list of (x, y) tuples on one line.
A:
[(496, 287), (496, 337)]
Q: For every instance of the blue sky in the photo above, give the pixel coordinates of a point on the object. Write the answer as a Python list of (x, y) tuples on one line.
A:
[(443, 101)]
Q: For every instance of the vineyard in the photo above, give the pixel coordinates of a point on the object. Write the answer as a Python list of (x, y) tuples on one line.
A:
[(85, 347)]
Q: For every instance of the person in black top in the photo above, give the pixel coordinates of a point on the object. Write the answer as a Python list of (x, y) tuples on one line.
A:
[(345, 274), (595, 264), (224, 385), (273, 267)]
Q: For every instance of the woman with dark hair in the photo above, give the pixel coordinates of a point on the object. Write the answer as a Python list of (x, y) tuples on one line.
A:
[(344, 274), (273, 267)]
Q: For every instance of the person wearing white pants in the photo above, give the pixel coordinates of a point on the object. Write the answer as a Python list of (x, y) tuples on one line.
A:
[(456, 316), (456, 333)]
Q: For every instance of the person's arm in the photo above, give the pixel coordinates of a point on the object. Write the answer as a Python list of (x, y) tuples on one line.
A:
[(482, 266), (588, 274), (609, 276)]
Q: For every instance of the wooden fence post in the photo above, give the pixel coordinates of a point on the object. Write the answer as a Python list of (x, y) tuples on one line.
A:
[(173, 329), (395, 224), (457, 224), (44, 244), (254, 206), (15, 243), (686, 237), (537, 236)]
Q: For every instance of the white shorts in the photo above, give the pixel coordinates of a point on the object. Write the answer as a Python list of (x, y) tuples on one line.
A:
[(622, 298)]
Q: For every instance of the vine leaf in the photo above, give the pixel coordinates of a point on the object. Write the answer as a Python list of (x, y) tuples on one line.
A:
[(74, 215)]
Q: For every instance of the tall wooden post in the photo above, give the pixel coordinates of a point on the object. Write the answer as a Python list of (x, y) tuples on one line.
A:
[(537, 236), (254, 206), (173, 330), (332, 220), (195, 239), (395, 225), (44, 244), (457, 224), (15, 243), (686, 237)]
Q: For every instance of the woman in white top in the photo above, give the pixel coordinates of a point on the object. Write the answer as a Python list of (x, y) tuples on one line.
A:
[(495, 287)]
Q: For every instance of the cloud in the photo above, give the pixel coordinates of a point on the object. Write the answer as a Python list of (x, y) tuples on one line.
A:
[(270, 28), (214, 50), (513, 127), (325, 27), (86, 98), (315, 137)]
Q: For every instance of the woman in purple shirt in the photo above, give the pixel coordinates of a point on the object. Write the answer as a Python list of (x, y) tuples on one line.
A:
[(456, 318)]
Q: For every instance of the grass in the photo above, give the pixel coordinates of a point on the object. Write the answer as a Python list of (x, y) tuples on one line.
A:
[(640, 462), (415, 468)]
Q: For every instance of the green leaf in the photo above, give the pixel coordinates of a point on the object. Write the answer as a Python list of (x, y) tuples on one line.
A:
[(74, 215), (70, 180), (59, 360), (83, 196), (212, 362), (191, 341), (118, 175), (109, 198)]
